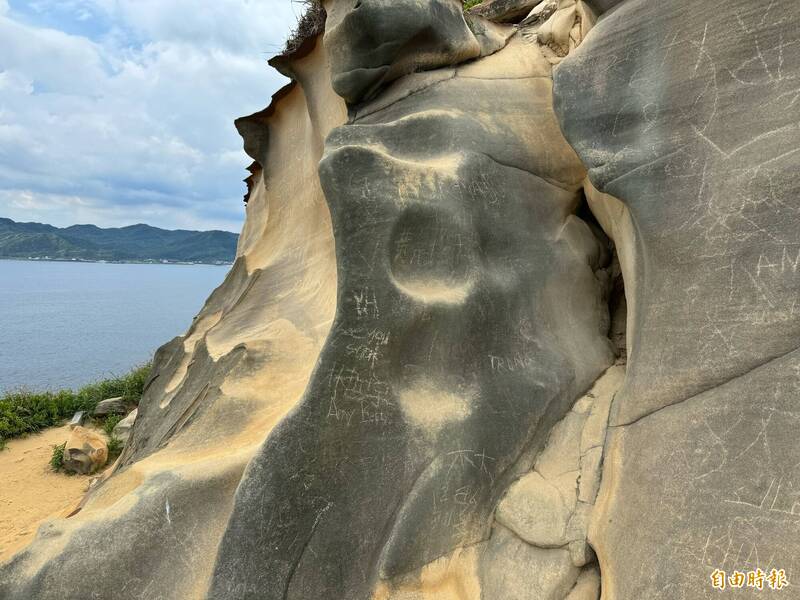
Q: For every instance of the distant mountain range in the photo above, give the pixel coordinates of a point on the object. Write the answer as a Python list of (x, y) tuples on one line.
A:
[(135, 243)]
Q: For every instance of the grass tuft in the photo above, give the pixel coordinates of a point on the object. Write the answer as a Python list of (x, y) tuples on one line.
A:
[(311, 23), (467, 4), (111, 422), (57, 459), (23, 411)]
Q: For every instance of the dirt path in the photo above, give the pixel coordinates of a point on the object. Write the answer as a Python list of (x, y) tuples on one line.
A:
[(30, 491)]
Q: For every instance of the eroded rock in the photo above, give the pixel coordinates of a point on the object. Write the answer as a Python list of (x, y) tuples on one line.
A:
[(110, 406), (122, 430), (536, 511), (551, 507), (387, 397), (558, 26), (513, 569), (430, 422), (587, 587), (504, 11), (85, 451), (689, 128)]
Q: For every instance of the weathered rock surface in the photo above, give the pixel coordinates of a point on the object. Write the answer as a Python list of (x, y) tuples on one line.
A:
[(690, 130), (537, 511), (376, 42), (85, 451), (122, 430), (387, 397), (110, 406), (601, 6), (504, 11), (450, 357)]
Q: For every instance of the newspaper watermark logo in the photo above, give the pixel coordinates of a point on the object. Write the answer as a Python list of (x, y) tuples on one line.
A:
[(758, 579)]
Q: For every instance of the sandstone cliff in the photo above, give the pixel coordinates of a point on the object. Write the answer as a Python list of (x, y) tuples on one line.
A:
[(513, 316)]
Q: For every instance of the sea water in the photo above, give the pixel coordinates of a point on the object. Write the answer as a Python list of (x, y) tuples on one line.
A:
[(65, 324)]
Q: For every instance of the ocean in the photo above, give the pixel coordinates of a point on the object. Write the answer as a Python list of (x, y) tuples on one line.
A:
[(65, 324)]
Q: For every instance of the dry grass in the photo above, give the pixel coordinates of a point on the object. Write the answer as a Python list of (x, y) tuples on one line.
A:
[(310, 24)]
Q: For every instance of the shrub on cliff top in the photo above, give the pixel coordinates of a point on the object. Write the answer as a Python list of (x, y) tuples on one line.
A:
[(311, 23), (23, 411)]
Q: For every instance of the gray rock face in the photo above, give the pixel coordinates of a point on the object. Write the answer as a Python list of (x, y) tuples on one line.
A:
[(372, 42), (404, 389), (450, 356), (601, 6), (122, 430), (110, 406), (713, 205), (693, 125), (504, 11), (77, 419)]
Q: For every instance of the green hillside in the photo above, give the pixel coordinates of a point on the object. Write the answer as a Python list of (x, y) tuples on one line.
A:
[(134, 243)]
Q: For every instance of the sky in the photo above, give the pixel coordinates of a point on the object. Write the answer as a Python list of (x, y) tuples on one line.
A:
[(115, 112)]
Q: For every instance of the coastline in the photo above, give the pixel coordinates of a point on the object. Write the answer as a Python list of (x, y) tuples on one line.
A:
[(117, 262)]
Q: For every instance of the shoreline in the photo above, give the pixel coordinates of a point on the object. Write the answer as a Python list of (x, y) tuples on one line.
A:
[(118, 262)]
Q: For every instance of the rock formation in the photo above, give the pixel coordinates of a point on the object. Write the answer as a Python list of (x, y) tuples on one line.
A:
[(463, 355), (85, 451), (691, 134)]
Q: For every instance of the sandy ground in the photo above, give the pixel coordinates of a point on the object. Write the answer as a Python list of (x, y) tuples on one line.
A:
[(30, 491)]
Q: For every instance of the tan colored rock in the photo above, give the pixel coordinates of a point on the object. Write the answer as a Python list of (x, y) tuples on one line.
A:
[(540, 13), (567, 486), (590, 475), (217, 392), (86, 451), (513, 570), (587, 587), (584, 405), (558, 26), (536, 511), (594, 431), (552, 506), (580, 552), (617, 223), (578, 521), (562, 453)]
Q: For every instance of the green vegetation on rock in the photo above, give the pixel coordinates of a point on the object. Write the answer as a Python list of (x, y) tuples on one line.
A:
[(23, 411)]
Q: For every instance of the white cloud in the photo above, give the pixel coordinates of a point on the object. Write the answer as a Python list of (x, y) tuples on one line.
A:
[(133, 119), (63, 210), (243, 26)]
